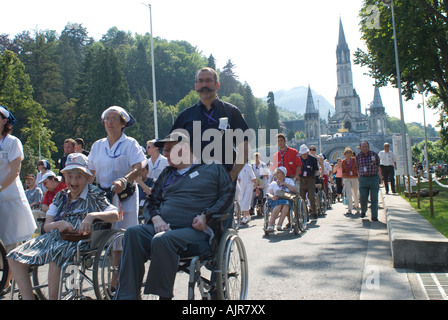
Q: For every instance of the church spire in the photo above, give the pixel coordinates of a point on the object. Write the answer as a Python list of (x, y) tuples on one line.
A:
[(310, 108), (342, 51), (377, 102)]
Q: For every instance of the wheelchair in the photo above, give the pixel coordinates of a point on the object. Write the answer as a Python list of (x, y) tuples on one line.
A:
[(91, 264), (4, 267), (298, 215), (216, 270), (320, 198)]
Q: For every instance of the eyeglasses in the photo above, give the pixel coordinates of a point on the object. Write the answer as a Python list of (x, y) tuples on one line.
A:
[(208, 80), (312, 149), (112, 120)]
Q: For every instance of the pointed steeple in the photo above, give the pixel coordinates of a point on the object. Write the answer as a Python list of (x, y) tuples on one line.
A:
[(342, 51), (310, 108), (377, 102)]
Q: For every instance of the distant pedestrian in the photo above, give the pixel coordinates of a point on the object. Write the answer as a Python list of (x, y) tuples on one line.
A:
[(350, 177), (369, 171), (388, 164), (308, 177), (79, 147), (337, 170), (287, 157), (247, 181), (157, 162)]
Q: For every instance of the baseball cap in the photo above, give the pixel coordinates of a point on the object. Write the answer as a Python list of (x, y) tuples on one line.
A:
[(77, 161), (47, 175), (172, 137)]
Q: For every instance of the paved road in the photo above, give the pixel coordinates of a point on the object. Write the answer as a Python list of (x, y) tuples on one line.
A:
[(340, 256)]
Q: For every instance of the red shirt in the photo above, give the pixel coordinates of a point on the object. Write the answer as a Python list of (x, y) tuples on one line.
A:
[(49, 195), (290, 159)]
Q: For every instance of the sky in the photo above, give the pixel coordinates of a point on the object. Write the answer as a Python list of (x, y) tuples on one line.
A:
[(274, 45)]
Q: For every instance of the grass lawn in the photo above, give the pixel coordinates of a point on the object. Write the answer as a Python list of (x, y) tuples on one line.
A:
[(440, 219)]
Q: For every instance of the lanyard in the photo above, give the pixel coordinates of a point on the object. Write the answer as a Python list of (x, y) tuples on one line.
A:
[(154, 167), (114, 154), (168, 182), (1, 144), (67, 207), (210, 118), (282, 154)]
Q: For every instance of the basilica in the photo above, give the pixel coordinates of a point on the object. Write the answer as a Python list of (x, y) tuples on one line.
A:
[(348, 126)]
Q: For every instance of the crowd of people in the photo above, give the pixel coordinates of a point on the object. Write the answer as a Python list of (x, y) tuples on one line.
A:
[(176, 190)]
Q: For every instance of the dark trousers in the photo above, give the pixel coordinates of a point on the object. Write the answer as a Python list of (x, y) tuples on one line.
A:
[(141, 243), (308, 185), (388, 173)]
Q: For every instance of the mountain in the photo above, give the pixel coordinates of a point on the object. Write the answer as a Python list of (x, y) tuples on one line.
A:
[(295, 100)]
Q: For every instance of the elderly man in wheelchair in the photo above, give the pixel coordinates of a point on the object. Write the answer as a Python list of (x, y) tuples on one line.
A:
[(185, 198), (71, 215)]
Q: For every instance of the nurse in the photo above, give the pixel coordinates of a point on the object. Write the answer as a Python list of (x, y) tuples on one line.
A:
[(16, 219), (116, 161)]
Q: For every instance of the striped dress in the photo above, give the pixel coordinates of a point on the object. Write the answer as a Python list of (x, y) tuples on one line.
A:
[(50, 247)]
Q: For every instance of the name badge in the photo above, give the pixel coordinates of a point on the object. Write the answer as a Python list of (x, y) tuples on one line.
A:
[(223, 123), (194, 174)]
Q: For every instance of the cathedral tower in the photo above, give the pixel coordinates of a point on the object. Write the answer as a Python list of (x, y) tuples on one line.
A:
[(377, 114), (348, 115), (312, 118)]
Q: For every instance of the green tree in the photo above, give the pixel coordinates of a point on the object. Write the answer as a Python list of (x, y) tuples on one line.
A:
[(189, 100), (250, 104), (229, 80), (272, 121), (102, 84), (16, 95), (422, 35)]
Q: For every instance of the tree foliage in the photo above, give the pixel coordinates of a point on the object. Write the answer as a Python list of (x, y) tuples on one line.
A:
[(16, 94), (422, 37), (59, 84)]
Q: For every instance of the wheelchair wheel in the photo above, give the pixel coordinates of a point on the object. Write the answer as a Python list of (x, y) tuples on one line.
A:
[(300, 216), (105, 274), (323, 202), (4, 268), (232, 274)]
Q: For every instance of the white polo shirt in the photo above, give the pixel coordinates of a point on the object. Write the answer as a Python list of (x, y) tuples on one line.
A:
[(155, 169), (387, 158)]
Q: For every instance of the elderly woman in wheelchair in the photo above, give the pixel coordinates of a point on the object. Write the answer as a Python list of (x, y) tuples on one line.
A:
[(70, 215), (279, 205)]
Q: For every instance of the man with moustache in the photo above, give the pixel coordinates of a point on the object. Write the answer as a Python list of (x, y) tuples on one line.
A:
[(211, 113)]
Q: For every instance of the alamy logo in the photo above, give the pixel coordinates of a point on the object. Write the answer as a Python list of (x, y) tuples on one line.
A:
[(373, 280), (73, 281)]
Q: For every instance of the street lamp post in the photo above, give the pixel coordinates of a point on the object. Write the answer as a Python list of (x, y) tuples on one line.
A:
[(156, 129), (403, 126)]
